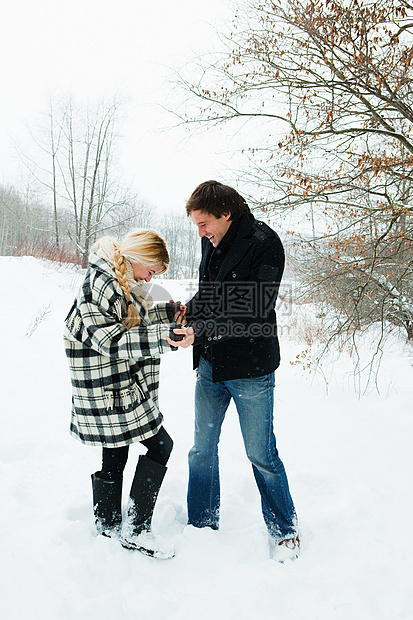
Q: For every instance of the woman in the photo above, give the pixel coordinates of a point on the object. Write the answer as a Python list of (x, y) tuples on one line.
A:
[(114, 337)]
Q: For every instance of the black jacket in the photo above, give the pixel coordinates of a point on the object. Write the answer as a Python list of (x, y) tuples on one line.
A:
[(233, 315)]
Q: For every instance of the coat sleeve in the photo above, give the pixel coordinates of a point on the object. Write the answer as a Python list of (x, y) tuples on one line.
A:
[(162, 313), (102, 330), (193, 308)]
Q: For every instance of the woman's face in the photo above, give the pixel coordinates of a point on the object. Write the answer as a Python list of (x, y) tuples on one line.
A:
[(145, 273)]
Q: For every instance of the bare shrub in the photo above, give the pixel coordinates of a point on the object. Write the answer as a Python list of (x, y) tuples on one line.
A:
[(41, 316), (46, 250)]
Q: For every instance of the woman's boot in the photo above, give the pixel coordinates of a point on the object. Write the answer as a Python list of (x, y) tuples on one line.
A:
[(107, 505), (136, 530)]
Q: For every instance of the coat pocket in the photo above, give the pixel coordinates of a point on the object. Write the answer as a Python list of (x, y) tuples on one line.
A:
[(125, 399)]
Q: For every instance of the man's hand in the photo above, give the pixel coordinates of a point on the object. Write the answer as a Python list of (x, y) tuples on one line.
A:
[(188, 337)]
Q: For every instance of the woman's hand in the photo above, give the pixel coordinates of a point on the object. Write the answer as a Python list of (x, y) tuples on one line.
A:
[(179, 316), (188, 337)]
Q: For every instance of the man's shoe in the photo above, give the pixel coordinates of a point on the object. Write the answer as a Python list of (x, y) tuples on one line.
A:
[(283, 550)]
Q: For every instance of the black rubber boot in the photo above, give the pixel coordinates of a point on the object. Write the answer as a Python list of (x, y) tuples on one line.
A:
[(107, 505), (136, 530)]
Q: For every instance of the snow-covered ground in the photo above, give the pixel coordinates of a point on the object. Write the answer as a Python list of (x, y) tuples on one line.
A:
[(348, 458)]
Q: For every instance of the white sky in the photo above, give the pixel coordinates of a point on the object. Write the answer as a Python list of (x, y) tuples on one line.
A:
[(91, 48)]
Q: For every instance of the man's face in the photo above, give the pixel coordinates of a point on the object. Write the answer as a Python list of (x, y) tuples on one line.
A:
[(210, 226)]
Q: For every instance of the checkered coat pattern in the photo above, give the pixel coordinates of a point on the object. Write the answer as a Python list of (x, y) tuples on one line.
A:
[(114, 371)]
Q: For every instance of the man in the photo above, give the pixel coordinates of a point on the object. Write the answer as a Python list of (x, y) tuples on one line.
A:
[(231, 322)]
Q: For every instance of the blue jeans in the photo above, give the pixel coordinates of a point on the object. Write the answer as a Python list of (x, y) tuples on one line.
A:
[(254, 400)]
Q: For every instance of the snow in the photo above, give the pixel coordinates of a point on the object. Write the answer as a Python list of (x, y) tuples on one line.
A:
[(348, 458)]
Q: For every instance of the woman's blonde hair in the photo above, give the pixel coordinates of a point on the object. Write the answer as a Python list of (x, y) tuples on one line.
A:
[(141, 245)]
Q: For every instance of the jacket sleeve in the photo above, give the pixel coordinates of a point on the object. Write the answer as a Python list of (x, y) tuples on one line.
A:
[(245, 303), (162, 313), (100, 328), (193, 308)]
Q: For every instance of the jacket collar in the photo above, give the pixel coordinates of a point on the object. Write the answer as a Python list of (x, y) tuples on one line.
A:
[(101, 264), (239, 247)]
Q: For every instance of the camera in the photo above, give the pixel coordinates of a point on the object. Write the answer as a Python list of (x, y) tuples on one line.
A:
[(176, 337)]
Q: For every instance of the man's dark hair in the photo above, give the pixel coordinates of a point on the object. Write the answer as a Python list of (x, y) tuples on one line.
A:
[(216, 199)]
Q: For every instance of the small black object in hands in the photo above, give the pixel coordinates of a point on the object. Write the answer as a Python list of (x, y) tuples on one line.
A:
[(176, 337)]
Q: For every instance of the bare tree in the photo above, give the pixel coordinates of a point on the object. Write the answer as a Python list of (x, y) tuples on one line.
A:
[(182, 241), (77, 168), (325, 89)]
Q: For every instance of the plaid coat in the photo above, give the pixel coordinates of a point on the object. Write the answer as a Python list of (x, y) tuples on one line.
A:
[(114, 371)]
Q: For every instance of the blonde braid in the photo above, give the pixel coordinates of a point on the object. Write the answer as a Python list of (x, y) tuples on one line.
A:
[(119, 265)]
